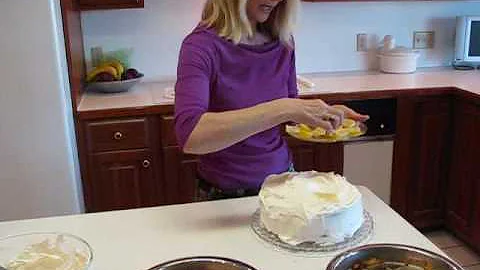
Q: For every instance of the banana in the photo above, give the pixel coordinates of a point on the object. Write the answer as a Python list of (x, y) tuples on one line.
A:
[(109, 69), (118, 66)]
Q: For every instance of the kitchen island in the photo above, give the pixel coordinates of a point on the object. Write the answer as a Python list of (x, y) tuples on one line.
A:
[(144, 237)]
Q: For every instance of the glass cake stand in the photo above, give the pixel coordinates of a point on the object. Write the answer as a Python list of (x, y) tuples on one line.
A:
[(363, 234)]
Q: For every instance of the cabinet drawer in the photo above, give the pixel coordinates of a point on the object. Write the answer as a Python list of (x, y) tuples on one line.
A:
[(168, 131), (117, 134)]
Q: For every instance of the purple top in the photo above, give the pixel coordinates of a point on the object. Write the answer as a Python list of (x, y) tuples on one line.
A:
[(215, 75)]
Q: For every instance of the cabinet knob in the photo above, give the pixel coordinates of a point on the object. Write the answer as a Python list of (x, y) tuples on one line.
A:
[(146, 163), (118, 135), (382, 126)]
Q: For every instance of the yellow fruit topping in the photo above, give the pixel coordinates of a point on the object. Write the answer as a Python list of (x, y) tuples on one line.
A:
[(349, 123), (303, 127), (349, 128)]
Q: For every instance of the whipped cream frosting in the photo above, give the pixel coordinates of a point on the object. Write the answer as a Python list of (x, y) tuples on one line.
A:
[(310, 206), (309, 193)]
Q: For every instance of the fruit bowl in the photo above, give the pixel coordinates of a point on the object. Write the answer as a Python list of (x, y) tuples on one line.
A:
[(112, 77), (45, 251), (114, 86)]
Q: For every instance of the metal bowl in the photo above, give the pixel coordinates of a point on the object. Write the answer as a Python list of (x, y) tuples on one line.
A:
[(394, 256), (203, 263), (114, 86)]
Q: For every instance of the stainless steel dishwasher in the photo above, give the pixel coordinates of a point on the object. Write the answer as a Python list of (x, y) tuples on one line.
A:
[(368, 162)]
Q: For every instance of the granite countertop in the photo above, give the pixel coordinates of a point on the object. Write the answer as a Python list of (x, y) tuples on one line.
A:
[(142, 238), (157, 93)]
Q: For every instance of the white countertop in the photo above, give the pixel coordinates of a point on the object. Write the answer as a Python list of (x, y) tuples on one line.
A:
[(143, 238), (154, 93)]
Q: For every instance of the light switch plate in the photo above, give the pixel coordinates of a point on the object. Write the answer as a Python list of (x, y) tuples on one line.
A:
[(362, 42), (423, 39)]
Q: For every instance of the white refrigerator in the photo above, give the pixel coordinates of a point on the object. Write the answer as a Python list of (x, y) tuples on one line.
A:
[(39, 171)]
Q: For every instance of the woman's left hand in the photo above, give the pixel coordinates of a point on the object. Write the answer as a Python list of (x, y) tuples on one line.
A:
[(349, 113)]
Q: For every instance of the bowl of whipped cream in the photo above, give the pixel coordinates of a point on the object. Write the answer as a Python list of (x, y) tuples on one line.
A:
[(56, 251)]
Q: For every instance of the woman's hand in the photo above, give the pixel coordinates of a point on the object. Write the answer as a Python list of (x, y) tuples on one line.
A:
[(349, 113), (316, 113)]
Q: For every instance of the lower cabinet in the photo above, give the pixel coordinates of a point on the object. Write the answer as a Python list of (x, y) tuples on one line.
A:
[(322, 157), (123, 180), (463, 196), (421, 158), (180, 175), (130, 162)]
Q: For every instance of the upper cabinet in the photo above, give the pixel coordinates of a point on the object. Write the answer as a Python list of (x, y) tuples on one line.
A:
[(110, 4)]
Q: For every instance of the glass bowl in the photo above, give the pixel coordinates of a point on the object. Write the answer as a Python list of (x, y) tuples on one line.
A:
[(51, 250)]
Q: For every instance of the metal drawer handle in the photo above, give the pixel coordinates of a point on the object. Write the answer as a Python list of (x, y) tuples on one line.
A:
[(118, 135), (146, 163)]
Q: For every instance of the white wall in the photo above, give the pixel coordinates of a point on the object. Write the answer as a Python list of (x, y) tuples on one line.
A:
[(325, 37), (39, 173)]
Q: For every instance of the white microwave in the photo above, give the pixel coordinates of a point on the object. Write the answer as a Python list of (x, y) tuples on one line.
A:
[(467, 40)]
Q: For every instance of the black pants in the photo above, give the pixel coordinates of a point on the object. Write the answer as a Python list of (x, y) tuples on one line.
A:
[(208, 192)]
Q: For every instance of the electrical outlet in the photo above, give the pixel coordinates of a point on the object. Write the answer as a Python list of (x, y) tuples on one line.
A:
[(423, 39), (362, 42)]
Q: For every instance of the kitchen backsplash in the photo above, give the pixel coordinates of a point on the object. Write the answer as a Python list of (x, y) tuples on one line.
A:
[(325, 36)]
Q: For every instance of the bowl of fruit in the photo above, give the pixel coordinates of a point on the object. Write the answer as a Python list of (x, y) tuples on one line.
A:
[(112, 77)]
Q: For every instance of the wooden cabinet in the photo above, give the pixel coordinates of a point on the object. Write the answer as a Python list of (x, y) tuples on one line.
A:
[(180, 174), (421, 158), (316, 156), (123, 180), (123, 166), (121, 134), (180, 170), (132, 162), (110, 4), (463, 196)]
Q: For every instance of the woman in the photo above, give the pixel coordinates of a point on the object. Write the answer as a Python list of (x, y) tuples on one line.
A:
[(236, 83)]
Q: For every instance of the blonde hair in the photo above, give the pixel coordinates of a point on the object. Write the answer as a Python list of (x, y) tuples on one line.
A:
[(229, 19)]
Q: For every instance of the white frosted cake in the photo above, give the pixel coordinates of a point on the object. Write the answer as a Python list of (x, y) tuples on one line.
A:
[(310, 207)]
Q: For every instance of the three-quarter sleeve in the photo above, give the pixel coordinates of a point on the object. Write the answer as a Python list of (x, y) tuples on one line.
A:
[(292, 79), (192, 89)]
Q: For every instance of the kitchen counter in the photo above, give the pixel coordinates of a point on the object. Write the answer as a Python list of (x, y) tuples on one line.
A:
[(152, 94), (142, 238)]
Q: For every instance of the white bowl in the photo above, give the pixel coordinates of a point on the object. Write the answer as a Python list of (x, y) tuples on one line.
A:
[(12, 246), (398, 60), (398, 64), (114, 86)]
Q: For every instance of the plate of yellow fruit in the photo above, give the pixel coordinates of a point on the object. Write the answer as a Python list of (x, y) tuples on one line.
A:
[(348, 130)]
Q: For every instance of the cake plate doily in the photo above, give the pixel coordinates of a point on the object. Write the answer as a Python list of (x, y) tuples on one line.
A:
[(363, 234)]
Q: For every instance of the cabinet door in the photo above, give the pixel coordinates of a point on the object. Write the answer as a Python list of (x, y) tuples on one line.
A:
[(110, 4), (316, 156), (421, 159), (123, 180), (180, 176), (463, 197)]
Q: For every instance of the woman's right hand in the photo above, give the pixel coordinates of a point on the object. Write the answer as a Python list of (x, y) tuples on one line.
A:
[(315, 113)]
